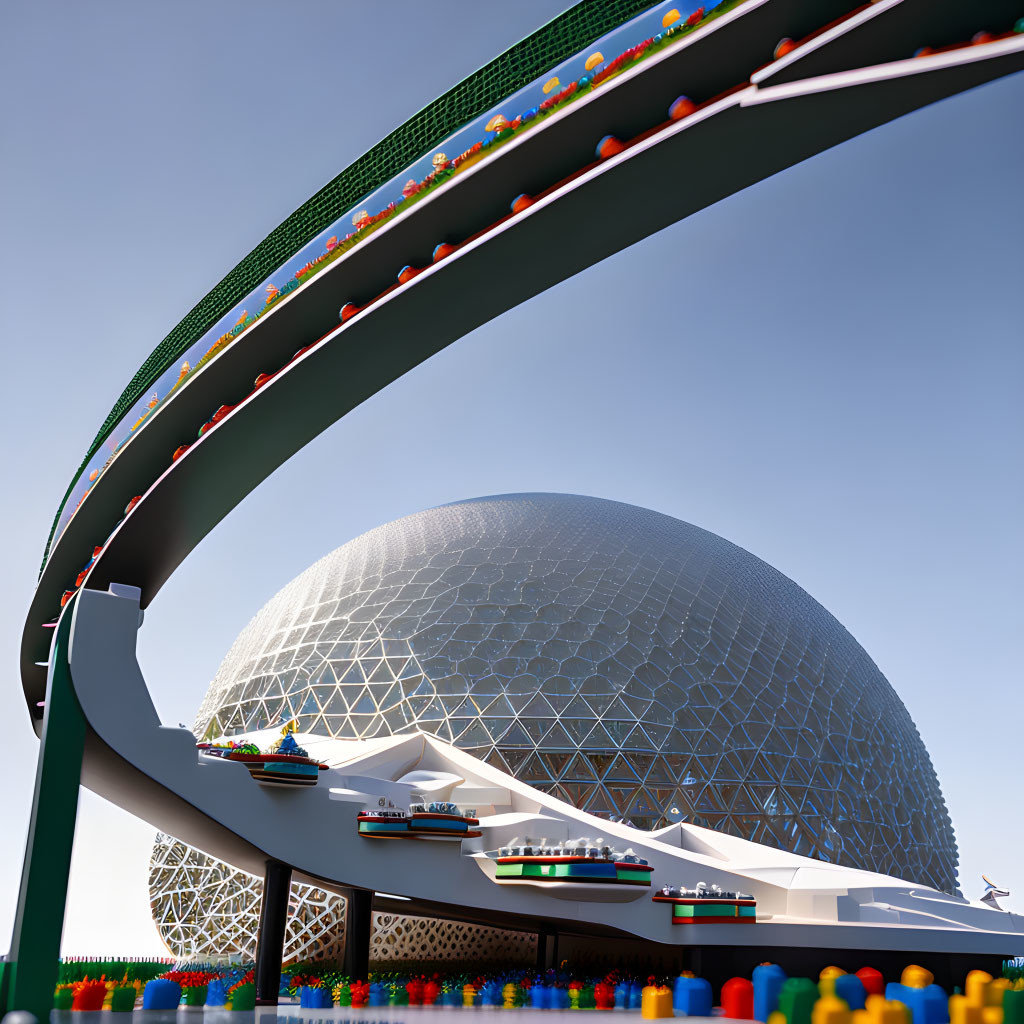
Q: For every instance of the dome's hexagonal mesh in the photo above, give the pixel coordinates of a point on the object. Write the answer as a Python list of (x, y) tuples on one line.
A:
[(623, 660)]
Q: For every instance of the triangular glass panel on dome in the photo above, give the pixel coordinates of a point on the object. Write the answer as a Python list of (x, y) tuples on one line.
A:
[(443, 730), (744, 802), (599, 702), (557, 737), (411, 669), (533, 770), (275, 710), (369, 666), (578, 793), (497, 727), (334, 724), (659, 772), (380, 673), (495, 760), (708, 800), (419, 705), (474, 735), (517, 737), (352, 675), (535, 728), (579, 770), (538, 706), (395, 665), (500, 706), (577, 730), (309, 705), (600, 802), (599, 739), (578, 708), (323, 694), (519, 700), (375, 649), (663, 797), (364, 704), (623, 796), (620, 770), (513, 758), (556, 761), (732, 766)]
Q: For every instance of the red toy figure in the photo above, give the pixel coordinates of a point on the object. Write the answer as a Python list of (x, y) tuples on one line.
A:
[(874, 983), (738, 999), (360, 993)]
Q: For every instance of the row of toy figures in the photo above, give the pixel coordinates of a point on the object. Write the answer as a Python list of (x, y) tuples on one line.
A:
[(166, 993), (577, 995), (840, 998)]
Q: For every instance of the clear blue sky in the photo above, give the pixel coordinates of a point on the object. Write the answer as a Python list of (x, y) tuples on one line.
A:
[(825, 369)]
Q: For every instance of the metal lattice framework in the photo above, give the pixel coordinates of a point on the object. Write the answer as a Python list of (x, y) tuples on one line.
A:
[(397, 937), (627, 662), (205, 909)]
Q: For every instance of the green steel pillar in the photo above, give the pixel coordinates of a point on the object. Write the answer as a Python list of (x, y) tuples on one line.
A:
[(39, 921)]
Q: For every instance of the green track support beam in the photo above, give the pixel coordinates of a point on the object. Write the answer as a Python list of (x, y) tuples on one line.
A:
[(39, 921)]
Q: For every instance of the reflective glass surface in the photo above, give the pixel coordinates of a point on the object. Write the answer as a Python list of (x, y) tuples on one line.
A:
[(632, 664)]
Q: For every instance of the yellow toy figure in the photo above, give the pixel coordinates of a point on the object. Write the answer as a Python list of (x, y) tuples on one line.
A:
[(508, 995), (963, 1011), (468, 995), (879, 1010), (656, 1003), (916, 977), (830, 1009)]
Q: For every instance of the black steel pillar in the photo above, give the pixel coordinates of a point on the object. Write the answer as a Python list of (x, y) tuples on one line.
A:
[(270, 938), (547, 948), (358, 922)]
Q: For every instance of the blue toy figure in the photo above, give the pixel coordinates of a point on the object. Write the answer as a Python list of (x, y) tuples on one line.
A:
[(621, 996), (216, 993), (851, 989), (538, 997), (692, 997), (768, 979), (491, 993), (927, 1005), (635, 995), (161, 994), (378, 994)]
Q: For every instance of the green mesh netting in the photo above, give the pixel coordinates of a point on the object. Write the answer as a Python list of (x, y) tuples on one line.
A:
[(518, 66)]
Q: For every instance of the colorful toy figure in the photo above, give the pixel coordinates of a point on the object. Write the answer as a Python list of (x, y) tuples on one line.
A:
[(738, 999), (767, 980), (692, 996), (796, 1000), (851, 990), (656, 1002), (830, 1010), (359, 992)]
